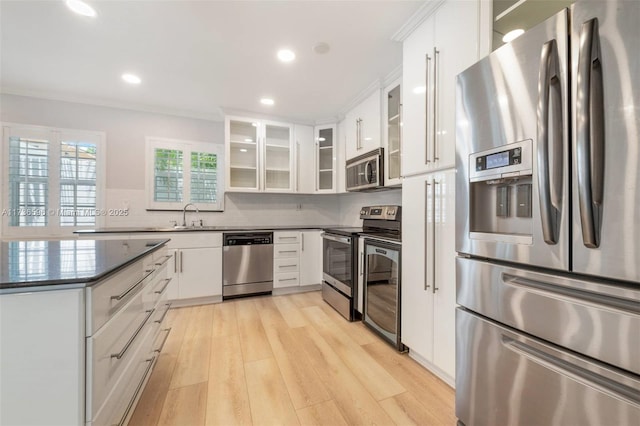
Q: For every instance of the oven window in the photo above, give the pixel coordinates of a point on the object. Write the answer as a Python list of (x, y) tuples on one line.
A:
[(381, 287), (337, 260)]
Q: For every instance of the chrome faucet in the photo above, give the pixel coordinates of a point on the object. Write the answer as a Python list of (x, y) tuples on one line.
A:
[(184, 213)]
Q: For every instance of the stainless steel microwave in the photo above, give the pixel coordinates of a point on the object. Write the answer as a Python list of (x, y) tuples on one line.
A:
[(365, 172)]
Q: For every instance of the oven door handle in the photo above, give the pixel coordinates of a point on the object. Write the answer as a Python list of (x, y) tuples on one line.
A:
[(345, 240)]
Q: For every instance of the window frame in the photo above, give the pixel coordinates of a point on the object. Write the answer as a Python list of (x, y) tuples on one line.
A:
[(187, 147), (55, 136)]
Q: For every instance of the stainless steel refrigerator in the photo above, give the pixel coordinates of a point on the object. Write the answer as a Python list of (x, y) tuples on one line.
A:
[(548, 224)]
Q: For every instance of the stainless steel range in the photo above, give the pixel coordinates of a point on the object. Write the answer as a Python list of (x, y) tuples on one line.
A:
[(378, 265)]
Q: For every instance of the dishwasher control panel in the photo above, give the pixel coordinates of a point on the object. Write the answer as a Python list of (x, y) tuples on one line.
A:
[(248, 238)]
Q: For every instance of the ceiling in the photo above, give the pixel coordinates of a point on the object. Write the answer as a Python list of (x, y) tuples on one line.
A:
[(200, 58)]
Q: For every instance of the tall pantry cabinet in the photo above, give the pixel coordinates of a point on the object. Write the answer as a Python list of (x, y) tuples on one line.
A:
[(446, 43)]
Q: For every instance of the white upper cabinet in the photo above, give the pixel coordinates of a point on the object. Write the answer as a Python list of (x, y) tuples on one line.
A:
[(392, 134), (326, 159), (443, 46), (362, 127), (260, 155), (305, 159)]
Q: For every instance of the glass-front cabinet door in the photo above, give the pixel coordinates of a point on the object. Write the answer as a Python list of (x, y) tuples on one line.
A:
[(243, 154), (394, 135), (325, 159), (277, 157)]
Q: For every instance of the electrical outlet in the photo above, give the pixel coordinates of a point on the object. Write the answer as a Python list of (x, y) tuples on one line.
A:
[(298, 207)]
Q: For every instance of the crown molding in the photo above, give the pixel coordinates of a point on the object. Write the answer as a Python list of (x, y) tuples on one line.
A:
[(364, 94), (393, 76), (416, 19), (217, 115)]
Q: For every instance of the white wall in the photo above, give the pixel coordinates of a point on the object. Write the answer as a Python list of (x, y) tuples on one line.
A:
[(125, 143)]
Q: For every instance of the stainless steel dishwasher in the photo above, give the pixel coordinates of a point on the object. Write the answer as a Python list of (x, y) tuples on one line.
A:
[(247, 264)]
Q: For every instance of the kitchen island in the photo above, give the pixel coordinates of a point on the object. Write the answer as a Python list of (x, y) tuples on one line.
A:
[(80, 324)]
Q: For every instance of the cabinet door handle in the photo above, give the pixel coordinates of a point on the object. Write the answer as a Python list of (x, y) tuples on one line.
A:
[(175, 261), (135, 394), (427, 187), (436, 184), (436, 54), (181, 261), (302, 241), (167, 281), (130, 289), (166, 258), (297, 166), (168, 305), (120, 354), (426, 108)]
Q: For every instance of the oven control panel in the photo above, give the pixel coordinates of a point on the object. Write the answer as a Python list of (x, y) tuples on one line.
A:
[(381, 212)]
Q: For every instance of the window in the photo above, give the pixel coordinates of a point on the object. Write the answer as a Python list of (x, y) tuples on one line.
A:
[(181, 172), (52, 180)]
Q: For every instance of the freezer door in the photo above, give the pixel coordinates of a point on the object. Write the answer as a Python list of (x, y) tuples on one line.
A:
[(518, 93), (515, 379), (606, 140), (589, 317)]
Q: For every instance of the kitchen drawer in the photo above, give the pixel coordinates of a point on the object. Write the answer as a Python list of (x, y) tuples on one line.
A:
[(193, 239), (286, 279), (120, 402), (286, 251), (161, 256), (288, 237), (286, 265), (108, 297), (112, 348)]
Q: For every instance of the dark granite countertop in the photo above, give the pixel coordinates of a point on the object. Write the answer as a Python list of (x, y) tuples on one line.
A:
[(204, 229), (64, 262)]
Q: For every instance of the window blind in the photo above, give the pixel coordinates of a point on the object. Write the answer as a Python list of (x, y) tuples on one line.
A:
[(168, 175), (28, 181), (78, 181), (204, 177)]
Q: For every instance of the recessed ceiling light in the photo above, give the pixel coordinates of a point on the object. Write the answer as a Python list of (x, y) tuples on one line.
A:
[(420, 89), (131, 78), (321, 48), (368, 139), (267, 101), (81, 8), (286, 55), (512, 35), (243, 150)]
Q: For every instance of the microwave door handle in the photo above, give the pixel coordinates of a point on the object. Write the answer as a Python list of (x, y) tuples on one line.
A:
[(590, 133), (549, 178), (368, 171)]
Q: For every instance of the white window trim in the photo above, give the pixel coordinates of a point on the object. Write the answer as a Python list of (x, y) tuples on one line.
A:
[(53, 228), (153, 142)]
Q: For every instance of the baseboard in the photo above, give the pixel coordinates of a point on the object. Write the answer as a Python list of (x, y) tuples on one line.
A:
[(432, 368), (183, 303)]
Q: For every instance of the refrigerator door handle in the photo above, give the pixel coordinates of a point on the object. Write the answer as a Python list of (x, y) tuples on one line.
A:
[(426, 109), (590, 133), (550, 168), (433, 236), (565, 367), (427, 186)]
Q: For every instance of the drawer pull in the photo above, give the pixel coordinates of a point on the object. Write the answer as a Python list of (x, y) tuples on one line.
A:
[(140, 327), (130, 289), (167, 281), (135, 394), (287, 279), (287, 238), (287, 251), (288, 266), (168, 305), (166, 336), (166, 259)]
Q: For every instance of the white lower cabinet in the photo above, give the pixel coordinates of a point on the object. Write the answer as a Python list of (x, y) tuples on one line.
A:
[(310, 257), (297, 258), (428, 271), (195, 267)]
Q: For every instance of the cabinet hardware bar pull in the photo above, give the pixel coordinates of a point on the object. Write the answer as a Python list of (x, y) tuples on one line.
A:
[(181, 260), (288, 266), (302, 242), (168, 305), (167, 281), (433, 224), (288, 279), (287, 251), (132, 338), (175, 262), (166, 258), (287, 238), (168, 330), (138, 389), (436, 54), (426, 109), (130, 289), (426, 235)]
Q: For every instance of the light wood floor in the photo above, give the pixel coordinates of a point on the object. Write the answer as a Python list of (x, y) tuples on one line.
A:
[(285, 360)]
